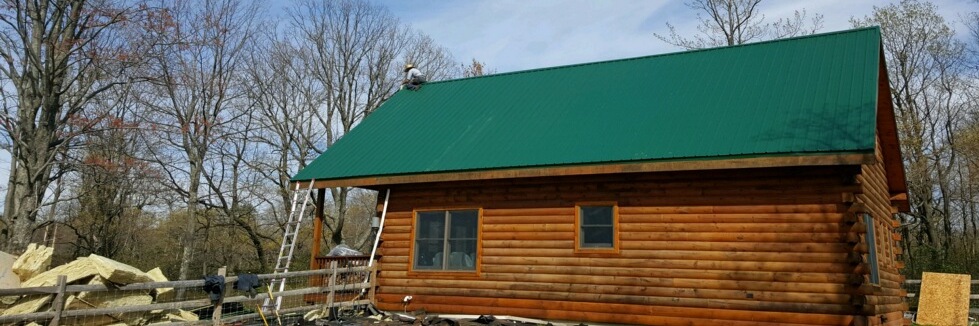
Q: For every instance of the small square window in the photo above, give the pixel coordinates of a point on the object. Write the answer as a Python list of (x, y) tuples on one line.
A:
[(596, 227)]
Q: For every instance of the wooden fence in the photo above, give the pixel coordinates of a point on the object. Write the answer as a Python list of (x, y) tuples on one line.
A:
[(332, 289), (917, 284)]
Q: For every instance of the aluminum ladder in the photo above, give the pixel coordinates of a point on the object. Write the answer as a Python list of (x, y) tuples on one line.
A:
[(288, 244)]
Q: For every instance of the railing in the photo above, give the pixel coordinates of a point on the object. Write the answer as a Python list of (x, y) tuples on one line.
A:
[(300, 284), (344, 294)]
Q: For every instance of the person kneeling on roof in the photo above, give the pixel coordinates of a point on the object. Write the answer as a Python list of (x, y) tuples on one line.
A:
[(413, 77)]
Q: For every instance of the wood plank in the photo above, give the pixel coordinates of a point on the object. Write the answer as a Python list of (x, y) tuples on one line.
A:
[(722, 284), (585, 262), (739, 163), (421, 294), (601, 317), (525, 219), (660, 271), (524, 212), (556, 244), (839, 258), (534, 308), (802, 208), (683, 246), (738, 246), (537, 227), (733, 237), (551, 290), (751, 218), (766, 226), (565, 236)]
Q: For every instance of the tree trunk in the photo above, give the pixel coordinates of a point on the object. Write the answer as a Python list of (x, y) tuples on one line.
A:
[(340, 201), (28, 183), (187, 236)]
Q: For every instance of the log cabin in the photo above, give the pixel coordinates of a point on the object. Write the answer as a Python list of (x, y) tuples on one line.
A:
[(743, 185)]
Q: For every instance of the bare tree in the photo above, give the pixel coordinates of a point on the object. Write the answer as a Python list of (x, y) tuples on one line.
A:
[(234, 184), (924, 63), (56, 55), (285, 96), (733, 22), (111, 186), (353, 51), (475, 68), (191, 94)]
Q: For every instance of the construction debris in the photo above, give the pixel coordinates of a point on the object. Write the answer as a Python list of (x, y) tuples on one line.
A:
[(944, 299), (28, 304), (91, 270), (8, 280), (117, 272), (157, 275), (76, 270), (33, 261)]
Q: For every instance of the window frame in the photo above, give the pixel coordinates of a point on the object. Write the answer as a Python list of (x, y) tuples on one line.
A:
[(873, 259), (436, 272), (600, 251)]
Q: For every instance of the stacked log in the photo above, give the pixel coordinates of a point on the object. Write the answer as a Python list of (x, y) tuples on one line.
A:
[(745, 247)]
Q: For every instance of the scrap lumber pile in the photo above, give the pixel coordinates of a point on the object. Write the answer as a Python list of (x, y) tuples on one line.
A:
[(31, 269)]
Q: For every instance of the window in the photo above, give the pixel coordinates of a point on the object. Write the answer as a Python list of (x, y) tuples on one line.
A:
[(446, 240), (871, 240), (596, 228)]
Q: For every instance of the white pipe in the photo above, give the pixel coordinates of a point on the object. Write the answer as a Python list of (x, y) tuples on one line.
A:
[(377, 239)]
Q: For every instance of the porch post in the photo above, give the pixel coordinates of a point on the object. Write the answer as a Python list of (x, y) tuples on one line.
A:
[(317, 227)]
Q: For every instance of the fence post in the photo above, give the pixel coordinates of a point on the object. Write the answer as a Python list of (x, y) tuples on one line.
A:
[(216, 318), (59, 300), (373, 276), (331, 284)]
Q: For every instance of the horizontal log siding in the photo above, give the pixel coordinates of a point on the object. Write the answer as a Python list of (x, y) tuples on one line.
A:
[(741, 247), (887, 299)]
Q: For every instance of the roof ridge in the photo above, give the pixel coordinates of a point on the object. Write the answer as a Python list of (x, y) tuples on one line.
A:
[(845, 31)]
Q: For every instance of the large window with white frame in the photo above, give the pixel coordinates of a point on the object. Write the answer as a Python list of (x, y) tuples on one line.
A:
[(446, 240)]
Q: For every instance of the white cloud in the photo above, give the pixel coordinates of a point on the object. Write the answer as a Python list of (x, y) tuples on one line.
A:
[(513, 35)]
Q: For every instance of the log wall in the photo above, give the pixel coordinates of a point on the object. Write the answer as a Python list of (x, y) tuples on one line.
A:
[(887, 298), (739, 247)]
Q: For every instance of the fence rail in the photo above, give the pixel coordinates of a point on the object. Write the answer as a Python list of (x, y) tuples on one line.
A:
[(917, 283), (362, 293)]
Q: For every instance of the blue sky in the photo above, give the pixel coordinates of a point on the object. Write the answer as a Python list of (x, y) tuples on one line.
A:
[(511, 35)]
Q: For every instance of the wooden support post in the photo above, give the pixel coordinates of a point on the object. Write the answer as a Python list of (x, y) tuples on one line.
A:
[(373, 278), (59, 300), (216, 318), (333, 282), (317, 228)]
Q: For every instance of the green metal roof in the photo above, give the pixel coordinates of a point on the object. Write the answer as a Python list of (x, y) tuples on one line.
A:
[(807, 95)]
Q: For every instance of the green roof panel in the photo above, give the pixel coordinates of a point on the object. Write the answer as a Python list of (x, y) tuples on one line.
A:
[(806, 95)]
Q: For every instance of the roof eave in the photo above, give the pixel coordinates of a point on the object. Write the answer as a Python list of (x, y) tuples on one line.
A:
[(890, 145), (823, 159)]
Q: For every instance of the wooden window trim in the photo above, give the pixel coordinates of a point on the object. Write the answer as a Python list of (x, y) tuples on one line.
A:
[(446, 273), (873, 248), (584, 251)]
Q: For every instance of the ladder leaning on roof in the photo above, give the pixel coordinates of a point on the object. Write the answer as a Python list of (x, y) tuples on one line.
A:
[(288, 243)]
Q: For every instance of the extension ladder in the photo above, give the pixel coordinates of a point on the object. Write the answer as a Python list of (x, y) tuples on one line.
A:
[(288, 244)]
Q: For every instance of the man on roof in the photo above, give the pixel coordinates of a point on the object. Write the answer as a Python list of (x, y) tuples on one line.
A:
[(413, 77)]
